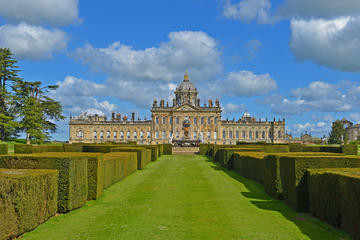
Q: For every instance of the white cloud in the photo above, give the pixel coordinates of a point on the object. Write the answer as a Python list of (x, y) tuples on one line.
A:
[(231, 108), (247, 84), (55, 12), (249, 10), (32, 42), (253, 46), (354, 117), (316, 129), (318, 96), (332, 43), (185, 50), (319, 8)]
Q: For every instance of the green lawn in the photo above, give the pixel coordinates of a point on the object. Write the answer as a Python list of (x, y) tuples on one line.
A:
[(185, 197)]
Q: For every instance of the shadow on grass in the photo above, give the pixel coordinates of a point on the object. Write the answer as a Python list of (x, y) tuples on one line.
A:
[(312, 227)]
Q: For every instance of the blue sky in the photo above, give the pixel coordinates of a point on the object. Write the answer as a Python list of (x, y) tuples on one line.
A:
[(285, 58)]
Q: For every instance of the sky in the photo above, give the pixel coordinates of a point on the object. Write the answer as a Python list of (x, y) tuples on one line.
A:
[(289, 59)]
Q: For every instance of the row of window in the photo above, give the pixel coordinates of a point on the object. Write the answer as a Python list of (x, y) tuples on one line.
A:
[(177, 120), (80, 134), (258, 134), (177, 135)]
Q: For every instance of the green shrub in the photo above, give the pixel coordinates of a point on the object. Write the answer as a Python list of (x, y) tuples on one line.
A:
[(334, 197), (296, 147), (72, 182), (167, 149), (41, 149), (349, 149), (73, 148), (22, 148), (154, 151), (250, 165), (203, 149), (293, 175), (27, 199), (332, 149), (161, 149), (276, 148), (118, 165), (3, 149), (143, 157), (225, 155)]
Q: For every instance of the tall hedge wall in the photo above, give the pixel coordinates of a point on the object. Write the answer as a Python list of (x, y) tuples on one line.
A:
[(293, 175), (349, 149), (27, 199), (3, 149), (72, 181), (203, 149), (118, 165), (250, 165), (334, 197), (167, 149), (154, 151), (143, 156), (225, 155), (276, 148), (332, 149), (22, 149)]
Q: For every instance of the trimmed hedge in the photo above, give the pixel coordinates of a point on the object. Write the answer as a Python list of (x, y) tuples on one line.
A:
[(73, 148), (3, 149), (27, 199), (22, 149), (349, 149), (167, 149), (161, 149), (332, 149), (72, 181), (294, 180), (296, 147), (203, 149), (143, 154), (154, 151), (118, 165), (276, 148), (250, 165), (225, 155), (334, 197)]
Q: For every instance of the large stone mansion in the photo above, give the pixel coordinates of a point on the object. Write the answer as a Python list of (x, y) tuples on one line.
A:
[(183, 120)]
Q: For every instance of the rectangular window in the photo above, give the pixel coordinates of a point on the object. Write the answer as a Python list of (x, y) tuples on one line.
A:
[(195, 120), (224, 134), (243, 134), (157, 134), (177, 134), (121, 134), (177, 120), (171, 134), (202, 120), (128, 134), (115, 134), (256, 134), (202, 134), (171, 120), (208, 134), (148, 134), (195, 134), (164, 120), (230, 134), (215, 120), (215, 136), (141, 134), (157, 120), (250, 134), (108, 134), (279, 134), (209, 120), (135, 134), (237, 134)]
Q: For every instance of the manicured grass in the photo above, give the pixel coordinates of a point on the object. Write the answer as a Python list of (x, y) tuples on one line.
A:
[(185, 197)]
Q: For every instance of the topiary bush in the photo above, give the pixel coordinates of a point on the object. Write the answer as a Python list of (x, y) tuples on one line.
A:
[(143, 158), (72, 181), (167, 149), (349, 149), (154, 151), (3, 149), (250, 165), (27, 198)]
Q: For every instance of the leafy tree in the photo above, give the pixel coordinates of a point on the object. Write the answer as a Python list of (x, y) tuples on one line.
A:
[(37, 111), (337, 133), (8, 79)]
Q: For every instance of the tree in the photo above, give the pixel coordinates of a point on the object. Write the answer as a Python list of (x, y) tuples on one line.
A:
[(37, 111), (8, 79), (337, 134)]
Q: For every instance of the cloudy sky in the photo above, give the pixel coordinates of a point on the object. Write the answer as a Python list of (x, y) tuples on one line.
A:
[(276, 58)]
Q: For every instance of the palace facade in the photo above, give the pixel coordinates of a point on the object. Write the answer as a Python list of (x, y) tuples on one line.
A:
[(184, 119)]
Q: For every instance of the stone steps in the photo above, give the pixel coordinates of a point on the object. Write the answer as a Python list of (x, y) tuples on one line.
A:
[(185, 150)]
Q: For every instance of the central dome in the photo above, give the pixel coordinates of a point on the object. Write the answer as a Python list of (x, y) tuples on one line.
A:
[(186, 85)]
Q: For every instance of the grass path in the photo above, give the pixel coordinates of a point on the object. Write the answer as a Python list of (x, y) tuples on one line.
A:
[(185, 197)]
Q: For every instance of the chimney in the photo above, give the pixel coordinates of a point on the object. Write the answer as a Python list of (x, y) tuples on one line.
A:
[(162, 103), (112, 116), (132, 116), (198, 102), (174, 102)]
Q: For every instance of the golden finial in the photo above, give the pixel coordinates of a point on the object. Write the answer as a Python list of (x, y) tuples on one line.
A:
[(186, 76)]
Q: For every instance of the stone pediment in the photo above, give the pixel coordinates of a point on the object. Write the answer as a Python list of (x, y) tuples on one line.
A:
[(186, 107)]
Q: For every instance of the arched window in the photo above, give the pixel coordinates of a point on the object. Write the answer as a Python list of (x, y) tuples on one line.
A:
[(128, 134), (122, 134), (263, 134), (141, 134), (80, 134), (115, 134), (250, 134), (108, 134), (215, 135), (135, 134), (243, 134), (101, 134), (95, 134), (256, 134), (279, 134), (148, 134), (208, 134), (230, 134), (163, 135)]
